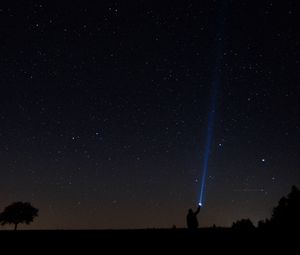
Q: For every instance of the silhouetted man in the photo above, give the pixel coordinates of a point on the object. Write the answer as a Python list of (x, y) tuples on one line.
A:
[(191, 218)]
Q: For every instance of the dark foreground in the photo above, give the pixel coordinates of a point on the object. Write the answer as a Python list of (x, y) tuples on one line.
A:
[(148, 240)]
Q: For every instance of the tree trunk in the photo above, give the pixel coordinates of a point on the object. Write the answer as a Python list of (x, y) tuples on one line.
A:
[(16, 225)]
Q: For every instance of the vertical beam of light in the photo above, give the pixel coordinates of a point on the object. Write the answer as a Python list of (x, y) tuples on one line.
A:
[(216, 82), (209, 138)]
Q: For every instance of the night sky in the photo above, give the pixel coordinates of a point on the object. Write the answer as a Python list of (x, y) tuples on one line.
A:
[(104, 108)]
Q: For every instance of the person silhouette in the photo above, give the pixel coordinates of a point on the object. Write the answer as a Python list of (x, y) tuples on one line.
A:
[(191, 218)]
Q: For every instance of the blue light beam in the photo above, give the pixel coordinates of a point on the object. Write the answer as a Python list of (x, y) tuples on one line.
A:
[(216, 82), (209, 138)]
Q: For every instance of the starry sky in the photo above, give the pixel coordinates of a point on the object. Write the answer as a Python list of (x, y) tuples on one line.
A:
[(104, 109)]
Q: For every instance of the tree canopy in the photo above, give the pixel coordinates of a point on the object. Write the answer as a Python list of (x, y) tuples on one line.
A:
[(18, 212)]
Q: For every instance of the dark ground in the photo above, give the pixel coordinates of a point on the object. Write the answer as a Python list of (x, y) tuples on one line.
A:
[(175, 241)]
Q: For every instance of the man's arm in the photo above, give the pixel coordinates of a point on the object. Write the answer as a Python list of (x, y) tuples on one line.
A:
[(198, 209)]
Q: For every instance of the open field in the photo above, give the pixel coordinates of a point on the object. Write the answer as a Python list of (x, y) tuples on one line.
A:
[(147, 239)]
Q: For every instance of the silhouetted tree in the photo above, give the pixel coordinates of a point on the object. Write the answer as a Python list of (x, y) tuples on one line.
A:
[(17, 213), (243, 224), (287, 212), (264, 224)]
